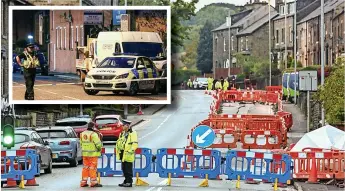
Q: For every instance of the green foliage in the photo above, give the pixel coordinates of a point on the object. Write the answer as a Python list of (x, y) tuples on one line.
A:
[(179, 76), (191, 46), (180, 11), (207, 13), (205, 51), (255, 67), (332, 95)]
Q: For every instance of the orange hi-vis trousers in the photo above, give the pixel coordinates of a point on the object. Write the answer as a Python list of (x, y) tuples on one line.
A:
[(89, 170)]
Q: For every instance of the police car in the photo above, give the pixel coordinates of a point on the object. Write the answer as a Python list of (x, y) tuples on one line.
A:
[(123, 73)]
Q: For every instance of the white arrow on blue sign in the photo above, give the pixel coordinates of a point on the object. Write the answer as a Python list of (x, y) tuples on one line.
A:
[(203, 136)]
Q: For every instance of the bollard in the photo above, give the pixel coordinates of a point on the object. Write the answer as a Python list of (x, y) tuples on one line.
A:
[(238, 182), (99, 178)]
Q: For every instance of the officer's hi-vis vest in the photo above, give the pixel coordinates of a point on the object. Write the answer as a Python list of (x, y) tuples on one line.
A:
[(91, 145), (128, 146), (30, 62)]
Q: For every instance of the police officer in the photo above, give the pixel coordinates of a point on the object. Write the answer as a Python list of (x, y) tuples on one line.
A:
[(225, 85), (218, 85), (91, 149), (210, 83), (29, 66), (190, 84), (125, 151)]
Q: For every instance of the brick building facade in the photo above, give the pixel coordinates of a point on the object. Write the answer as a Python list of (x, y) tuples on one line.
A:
[(245, 32), (65, 35), (55, 2)]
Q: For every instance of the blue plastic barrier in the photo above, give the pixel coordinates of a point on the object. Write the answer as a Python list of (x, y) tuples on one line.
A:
[(18, 163), (109, 165), (188, 162), (258, 165)]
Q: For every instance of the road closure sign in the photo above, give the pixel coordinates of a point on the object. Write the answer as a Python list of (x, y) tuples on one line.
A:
[(203, 136)]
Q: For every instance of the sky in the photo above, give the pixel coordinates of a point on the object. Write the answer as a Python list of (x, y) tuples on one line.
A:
[(202, 3)]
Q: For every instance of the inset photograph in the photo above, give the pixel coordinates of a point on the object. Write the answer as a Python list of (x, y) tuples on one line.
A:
[(90, 53)]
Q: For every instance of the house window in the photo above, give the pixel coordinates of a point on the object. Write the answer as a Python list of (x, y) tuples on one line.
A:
[(57, 37), (216, 45), (241, 43), (82, 35), (283, 35), (282, 9), (224, 44), (277, 36), (40, 33), (291, 34), (77, 35), (232, 42), (65, 37), (309, 38), (72, 34), (61, 37), (246, 43)]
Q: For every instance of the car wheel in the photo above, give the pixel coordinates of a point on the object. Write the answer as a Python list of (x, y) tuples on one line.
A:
[(133, 89), (91, 92), (74, 162), (156, 88), (81, 161), (50, 167)]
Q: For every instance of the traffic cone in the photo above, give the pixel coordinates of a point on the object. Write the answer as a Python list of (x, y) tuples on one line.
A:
[(206, 91), (313, 173), (11, 183), (140, 112), (31, 182)]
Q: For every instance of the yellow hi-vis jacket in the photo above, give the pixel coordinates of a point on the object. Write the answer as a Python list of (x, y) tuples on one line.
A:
[(218, 85), (91, 145), (210, 83), (30, 62), (189, 83), (128, 146), (225, 85)]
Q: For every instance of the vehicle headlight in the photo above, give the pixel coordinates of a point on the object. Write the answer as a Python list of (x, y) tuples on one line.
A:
[(89, 76), (122, 76)]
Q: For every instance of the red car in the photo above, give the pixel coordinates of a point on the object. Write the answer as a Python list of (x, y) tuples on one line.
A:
[(110, 126)]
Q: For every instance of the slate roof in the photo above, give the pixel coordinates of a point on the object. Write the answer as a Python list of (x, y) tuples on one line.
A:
[(258, 24), (328, 6), (258, 15)]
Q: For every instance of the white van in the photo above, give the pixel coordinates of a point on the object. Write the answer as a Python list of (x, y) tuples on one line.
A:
[(147, 44)]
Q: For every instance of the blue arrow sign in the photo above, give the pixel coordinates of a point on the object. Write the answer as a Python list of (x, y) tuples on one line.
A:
[(203, 136)]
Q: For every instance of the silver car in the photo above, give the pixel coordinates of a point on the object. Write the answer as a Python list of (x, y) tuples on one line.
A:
[(64, 142)]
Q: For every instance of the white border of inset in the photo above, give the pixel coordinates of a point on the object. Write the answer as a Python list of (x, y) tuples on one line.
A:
[(10, 32)]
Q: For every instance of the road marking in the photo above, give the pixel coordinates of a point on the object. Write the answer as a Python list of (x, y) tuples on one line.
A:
[(159, 126), (70, 97), (46, 91), (160, 188), (151, 189), (141, 124)]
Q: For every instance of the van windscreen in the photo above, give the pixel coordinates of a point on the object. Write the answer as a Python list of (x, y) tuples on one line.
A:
[(147, 49)]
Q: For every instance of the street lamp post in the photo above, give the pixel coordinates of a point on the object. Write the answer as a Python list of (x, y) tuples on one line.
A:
[(295, 51), (30, 37), (322, 58), (285, 40), (269, 39), (125, 2), (229, 24)]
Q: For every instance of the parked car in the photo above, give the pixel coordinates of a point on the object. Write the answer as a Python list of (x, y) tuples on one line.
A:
[(15, 65), (64, 143), (27, 138), (200, 83), (123, 73), (78, 123), (110, 126)]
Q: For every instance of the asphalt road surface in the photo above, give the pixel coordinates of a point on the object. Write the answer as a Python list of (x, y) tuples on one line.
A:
[(69, 88), (167, 128)]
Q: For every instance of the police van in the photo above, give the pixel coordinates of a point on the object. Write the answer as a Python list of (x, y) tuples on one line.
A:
[(123, 73)]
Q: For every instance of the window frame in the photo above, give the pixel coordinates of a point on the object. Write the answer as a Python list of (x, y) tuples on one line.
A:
[(72, 37), (149, 61)]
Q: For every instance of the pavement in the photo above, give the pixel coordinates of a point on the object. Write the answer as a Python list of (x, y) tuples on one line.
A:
[(299, 127), (67, 87), (166, 128)]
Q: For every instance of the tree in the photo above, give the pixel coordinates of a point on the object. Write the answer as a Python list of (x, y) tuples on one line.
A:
[(180, 11), (205, 51), (331, 94), (191, 46)]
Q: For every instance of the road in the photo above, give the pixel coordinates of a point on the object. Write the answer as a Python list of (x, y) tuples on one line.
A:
[(65, 87), (167, 128)]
